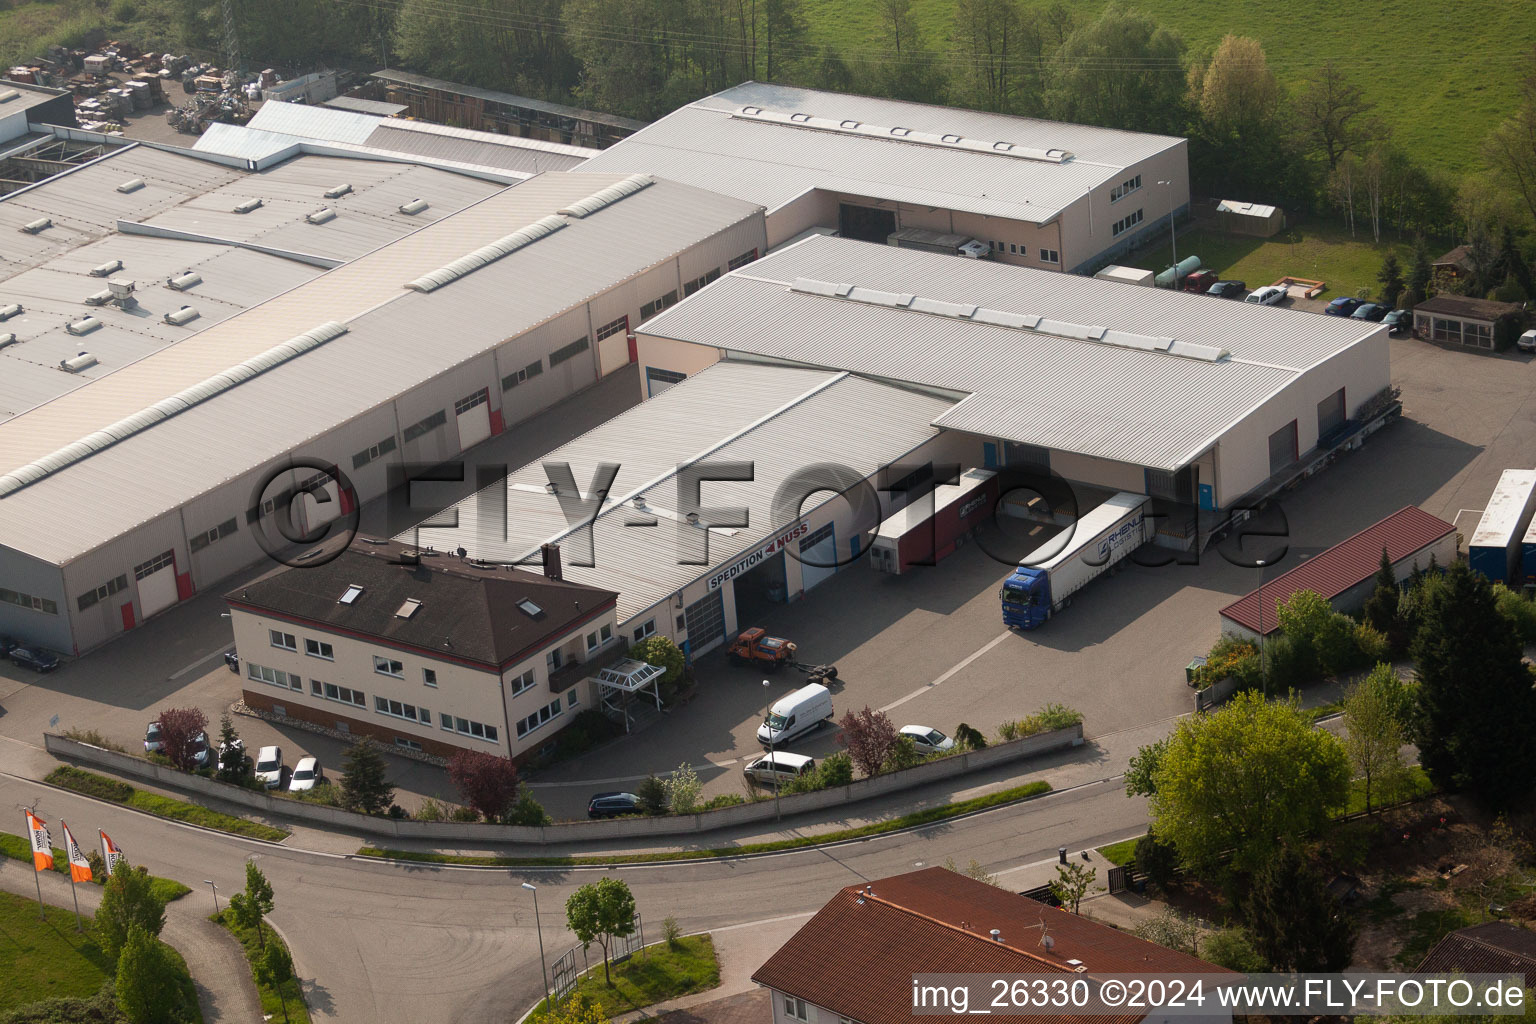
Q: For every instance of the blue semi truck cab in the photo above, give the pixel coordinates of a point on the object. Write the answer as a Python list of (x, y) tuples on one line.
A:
[(1038, 589)]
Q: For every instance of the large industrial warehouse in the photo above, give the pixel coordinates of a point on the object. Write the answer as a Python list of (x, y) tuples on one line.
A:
[(1038, 193), (419, 343), (1179, 396)]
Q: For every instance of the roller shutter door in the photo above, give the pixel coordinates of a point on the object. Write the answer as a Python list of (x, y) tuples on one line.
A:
[(818, 557), (156, 584), (705, 621)]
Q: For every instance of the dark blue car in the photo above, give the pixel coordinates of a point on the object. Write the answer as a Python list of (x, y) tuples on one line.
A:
[(1373, 311), (1343, 306), (34, 658)]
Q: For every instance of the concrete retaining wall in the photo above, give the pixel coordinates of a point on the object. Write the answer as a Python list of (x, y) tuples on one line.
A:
[(565, 831)]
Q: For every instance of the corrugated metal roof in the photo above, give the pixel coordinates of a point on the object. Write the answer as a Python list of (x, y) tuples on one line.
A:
[(378, 108), (712, 143), (245, 142), (1147, 408), (507, 99), (1241, 208), (402, 137), (781, 420), (309, 122), (61, 516), (1496, 947), (1342, 566)]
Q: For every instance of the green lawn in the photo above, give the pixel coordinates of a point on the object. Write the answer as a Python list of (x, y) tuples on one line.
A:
[(925, 817), (45, 959), (1417, 787), (1121, 853), (27, 28), (271, 1004), (1411, 57), (103, 788), (1321, 252), (662, 971)]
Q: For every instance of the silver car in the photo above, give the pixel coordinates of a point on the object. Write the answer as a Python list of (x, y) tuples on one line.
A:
[(927, 740)]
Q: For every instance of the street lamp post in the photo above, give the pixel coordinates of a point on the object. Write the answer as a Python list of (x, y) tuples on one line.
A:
[(1263, 675), (767, 712), (210, 884), (1173, 234), (539, 925)]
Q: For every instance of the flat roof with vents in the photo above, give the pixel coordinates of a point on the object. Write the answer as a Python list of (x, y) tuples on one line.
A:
[(771, 143), (1139, 375)]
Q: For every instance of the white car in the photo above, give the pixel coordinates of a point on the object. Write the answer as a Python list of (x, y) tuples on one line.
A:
[(1269, 295), (152, 740), (269, 767), (307, 774), (927, 740), (780, 768), (1526, 342)]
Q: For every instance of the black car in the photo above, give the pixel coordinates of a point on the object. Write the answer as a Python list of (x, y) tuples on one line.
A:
[(1228, 289), (1373, 311), (34, 658), (1399, 321), (612, 805)]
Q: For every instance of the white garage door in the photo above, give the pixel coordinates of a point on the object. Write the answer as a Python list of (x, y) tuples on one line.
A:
[(157, 584), (818, 557), (474, 416)]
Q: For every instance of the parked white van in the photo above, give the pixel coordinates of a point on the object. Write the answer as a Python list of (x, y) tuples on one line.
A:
[(796, 714)]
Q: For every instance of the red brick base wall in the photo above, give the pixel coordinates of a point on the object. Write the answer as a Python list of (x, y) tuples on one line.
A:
[(262, 700)]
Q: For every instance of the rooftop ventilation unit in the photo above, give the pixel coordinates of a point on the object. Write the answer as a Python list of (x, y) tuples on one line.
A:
[(120, 287), (181, 317), (100, 298), (37, 226), (107, 268), (187, 279), (248, 206), (7, 339), (85, 326), (6, 95), (131, 185), (947, 141), (166, 407), (337, 192), (78, 362), (10, 310), (320, 216), (414, 207), (488, 254), (608, 196)]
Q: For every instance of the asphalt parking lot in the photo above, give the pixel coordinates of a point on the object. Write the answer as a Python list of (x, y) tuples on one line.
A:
[(930, 646)]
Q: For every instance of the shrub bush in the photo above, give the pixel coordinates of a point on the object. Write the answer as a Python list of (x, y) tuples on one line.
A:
[(91, 784), (1008, 732), (835, 770), (397, 812), (1231, 948), (659, 649), (464, 814), (1374, 645), (528, 811), (1520, 612), (430, 810), (587, 730), (714, 803), (967, 738), (1233, 657), (903, 755), (94, 738), (653, 796), (1157, 860)]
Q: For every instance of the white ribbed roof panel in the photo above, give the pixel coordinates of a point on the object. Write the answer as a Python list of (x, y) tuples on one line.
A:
[(822, 418), (713, 144), (1114, 401)]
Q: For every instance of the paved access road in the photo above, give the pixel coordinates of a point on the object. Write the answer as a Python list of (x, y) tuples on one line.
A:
[(422, 944)]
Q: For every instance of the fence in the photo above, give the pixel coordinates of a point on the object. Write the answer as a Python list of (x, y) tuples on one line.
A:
[(565, 831)]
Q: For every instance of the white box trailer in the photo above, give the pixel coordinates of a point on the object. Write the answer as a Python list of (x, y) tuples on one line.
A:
[(1495, 550), (1037, 589)]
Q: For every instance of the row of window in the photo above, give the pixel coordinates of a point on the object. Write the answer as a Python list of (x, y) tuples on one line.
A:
[(400, 709), (613, 327), (201, 540), (384, 447), (463, 405), (37, 604), (101, 593), (656, 305), (566, 352), (1015, 249), (737, 262), (464, 727), (692, 286), (523, 683), (425, 426), (522, 376), (597, 638), (1125, 223), (1461, 332), (341, 694), (1124, 189), (154, 565), (275, 676), (545, 714)]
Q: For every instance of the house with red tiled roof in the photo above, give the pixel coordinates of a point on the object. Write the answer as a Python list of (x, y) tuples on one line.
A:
[(1344, 574), (854, 962)]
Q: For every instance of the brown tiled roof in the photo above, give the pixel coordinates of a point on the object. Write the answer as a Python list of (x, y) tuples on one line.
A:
[(1467, 307), (858, 959), (1342, 566), (467, 613), (1493, 948), (1457, 257)]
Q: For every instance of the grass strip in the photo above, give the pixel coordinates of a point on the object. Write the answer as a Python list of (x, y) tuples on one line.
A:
[(287, 999), (1121, 853), (18, 848), (665, 970), (103, 788), (925, 817)]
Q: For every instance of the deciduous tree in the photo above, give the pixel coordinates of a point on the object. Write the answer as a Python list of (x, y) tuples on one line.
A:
[(128, 901), (1122, 70), (148, 983), (179, 730), (1333, 114), (1071, 884), (1373, 715), (996, 52), (487, 782), (869, 737), (251, 905), (1246, 779), (1237, 91), (1510, 149), (1295, 922), (274, 968), (683, 789), (1476, 709), (601, 912), (1141, 773), (365, 784), (660, 650)]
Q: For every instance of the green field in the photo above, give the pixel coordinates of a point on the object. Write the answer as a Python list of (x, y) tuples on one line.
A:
[(1321, 252), (1441, 75), (28, 27), (45, 959)]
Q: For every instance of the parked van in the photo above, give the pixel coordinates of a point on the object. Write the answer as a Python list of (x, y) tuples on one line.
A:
[(796, 714), (779, 768)]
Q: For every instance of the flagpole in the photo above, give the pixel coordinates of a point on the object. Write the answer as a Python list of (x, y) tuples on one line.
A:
[(79, 924), (69, 855), (42, 911)]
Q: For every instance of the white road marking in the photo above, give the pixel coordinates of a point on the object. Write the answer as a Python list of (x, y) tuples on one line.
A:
[(947, 675), (207, 657)]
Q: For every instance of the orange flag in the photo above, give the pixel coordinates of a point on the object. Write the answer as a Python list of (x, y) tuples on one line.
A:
[(79, 867), (42, 842), (109, 851)]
